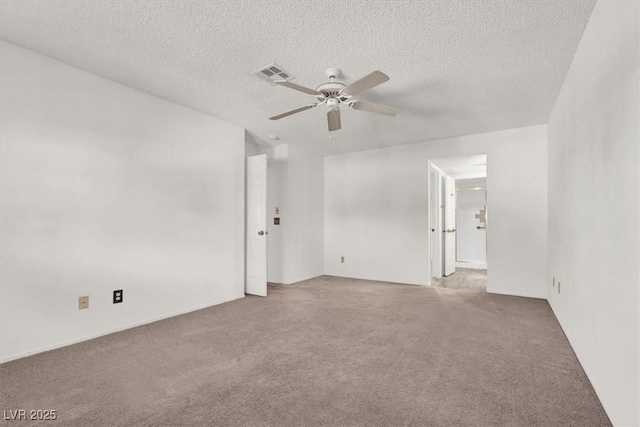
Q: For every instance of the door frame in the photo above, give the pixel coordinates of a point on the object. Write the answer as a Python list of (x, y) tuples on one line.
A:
[(431, 165)]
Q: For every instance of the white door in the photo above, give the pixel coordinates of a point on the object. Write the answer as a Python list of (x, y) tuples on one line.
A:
[(434, 207), (449, 226), (432, 223), (257, 225), (437, 189)]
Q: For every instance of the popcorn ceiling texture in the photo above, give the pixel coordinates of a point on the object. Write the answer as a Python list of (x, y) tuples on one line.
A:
[(456, 67)]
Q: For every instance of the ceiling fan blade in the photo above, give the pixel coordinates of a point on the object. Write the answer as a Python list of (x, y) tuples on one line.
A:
[(288, 113), (298, 87), (365, 83), (333, 118), (370, 107)]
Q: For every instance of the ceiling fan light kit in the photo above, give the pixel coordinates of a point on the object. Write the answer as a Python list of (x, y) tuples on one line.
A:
[(334, 93)]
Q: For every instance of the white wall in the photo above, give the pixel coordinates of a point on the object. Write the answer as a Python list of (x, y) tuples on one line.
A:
[(103, 188), (250, 148), (471, 244), (304, 237), (276, 197), (593, 207), (376, 210)]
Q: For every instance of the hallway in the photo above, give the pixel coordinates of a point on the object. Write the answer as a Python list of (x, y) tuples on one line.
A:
[(469, 279)]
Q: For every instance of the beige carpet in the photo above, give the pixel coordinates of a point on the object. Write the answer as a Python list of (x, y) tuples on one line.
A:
[(328, 351), (471, 279)]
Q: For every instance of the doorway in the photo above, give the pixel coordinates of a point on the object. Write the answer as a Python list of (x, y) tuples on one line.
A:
[(256, 226), (458, 222), (266, 205)]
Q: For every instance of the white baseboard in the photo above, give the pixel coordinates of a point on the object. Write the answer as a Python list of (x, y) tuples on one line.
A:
[(301, 279), (491, 291), (471, 264), (111, 331)]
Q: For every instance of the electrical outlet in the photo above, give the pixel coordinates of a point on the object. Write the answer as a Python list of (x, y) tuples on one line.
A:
[(554, 281), (342, 259), (558, 287), (118, 296), (83, 302)]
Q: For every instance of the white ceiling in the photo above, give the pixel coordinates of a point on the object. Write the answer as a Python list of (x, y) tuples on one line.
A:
[(464, 167), (456, 67)]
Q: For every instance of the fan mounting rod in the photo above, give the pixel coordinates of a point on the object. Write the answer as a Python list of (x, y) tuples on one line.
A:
[(332, 73)]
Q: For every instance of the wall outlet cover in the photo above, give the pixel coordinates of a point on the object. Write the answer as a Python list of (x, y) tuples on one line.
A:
[(118, 296), (342, 259)]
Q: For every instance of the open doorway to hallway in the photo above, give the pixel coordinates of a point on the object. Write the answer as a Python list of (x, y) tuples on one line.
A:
[(256, 225), (458, 222), (277, 209)]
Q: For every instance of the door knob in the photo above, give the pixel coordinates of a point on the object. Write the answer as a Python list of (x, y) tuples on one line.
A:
[(260, 233)]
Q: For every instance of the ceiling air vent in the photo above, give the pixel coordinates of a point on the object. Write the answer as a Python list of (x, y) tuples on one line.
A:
[(273, 73)]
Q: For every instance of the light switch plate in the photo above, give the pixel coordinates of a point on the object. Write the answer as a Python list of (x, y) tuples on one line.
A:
[(83, 302)]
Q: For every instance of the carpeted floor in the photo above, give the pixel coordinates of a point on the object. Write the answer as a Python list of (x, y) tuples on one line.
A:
[(470, 279), (328, 351)]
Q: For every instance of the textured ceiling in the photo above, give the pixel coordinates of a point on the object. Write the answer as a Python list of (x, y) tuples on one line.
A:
[(456, 67)]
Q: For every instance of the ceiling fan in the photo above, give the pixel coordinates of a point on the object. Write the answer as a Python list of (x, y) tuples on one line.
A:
[(335, 93)]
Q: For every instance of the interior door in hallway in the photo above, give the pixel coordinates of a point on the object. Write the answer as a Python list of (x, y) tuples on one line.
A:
[(256, 233), (449, 226)]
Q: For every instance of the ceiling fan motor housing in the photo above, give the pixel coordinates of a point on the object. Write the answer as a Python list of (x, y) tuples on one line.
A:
[(332, 90)]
